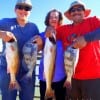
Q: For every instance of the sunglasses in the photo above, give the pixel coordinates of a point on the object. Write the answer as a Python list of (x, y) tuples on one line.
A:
[(21, 7), (76, 9)]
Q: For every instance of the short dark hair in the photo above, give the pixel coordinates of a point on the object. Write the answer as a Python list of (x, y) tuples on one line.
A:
[(48, 17)]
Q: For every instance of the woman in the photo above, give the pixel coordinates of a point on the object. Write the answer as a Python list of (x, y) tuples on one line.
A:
[(54, 19)]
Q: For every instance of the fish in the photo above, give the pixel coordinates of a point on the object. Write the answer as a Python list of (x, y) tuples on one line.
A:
[(49, 64), (12, 58), (71, 57), (30, 51)]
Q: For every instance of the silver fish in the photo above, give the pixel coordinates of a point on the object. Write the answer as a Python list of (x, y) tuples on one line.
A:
[(49, 61), (12, 58), (71, 56), (30, 51)]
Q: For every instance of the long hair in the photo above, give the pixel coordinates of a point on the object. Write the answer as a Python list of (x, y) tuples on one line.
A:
[(48, 17)]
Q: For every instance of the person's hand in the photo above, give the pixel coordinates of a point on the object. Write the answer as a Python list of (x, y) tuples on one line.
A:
[(49, 30), (7, 36), (79, 42), (39, 41)]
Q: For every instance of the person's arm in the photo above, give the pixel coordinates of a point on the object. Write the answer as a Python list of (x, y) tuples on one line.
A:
[(82, 41), (92, 36)]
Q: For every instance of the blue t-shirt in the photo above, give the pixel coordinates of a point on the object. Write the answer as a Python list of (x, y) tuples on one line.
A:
[(22, 34), (59, 73)]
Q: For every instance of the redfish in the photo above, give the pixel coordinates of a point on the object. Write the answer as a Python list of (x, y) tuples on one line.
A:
[(12, 58)]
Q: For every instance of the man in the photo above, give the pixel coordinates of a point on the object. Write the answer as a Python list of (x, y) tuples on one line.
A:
[(86, 78), (23, 30)]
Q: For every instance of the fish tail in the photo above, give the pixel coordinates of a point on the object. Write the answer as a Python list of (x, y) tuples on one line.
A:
[(67, 83), (49, 93), (14, 86)]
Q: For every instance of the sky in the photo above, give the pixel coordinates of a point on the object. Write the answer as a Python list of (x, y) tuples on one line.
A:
[(41, 8)]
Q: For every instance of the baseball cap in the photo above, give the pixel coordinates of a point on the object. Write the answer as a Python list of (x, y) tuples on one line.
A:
[(24, 2)]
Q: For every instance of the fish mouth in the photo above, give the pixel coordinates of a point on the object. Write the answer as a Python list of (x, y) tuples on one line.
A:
[(52, 39), (11, 40)]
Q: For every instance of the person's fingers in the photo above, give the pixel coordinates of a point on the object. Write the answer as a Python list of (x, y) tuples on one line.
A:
[(10, 36), (79, 42), (49, 30), (39, 42)]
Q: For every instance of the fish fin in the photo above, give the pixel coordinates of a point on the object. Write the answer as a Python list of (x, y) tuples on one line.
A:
[(8, 70), (27, 76), (43, 75)]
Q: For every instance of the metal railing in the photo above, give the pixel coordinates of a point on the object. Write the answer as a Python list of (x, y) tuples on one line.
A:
[(37, 94)]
